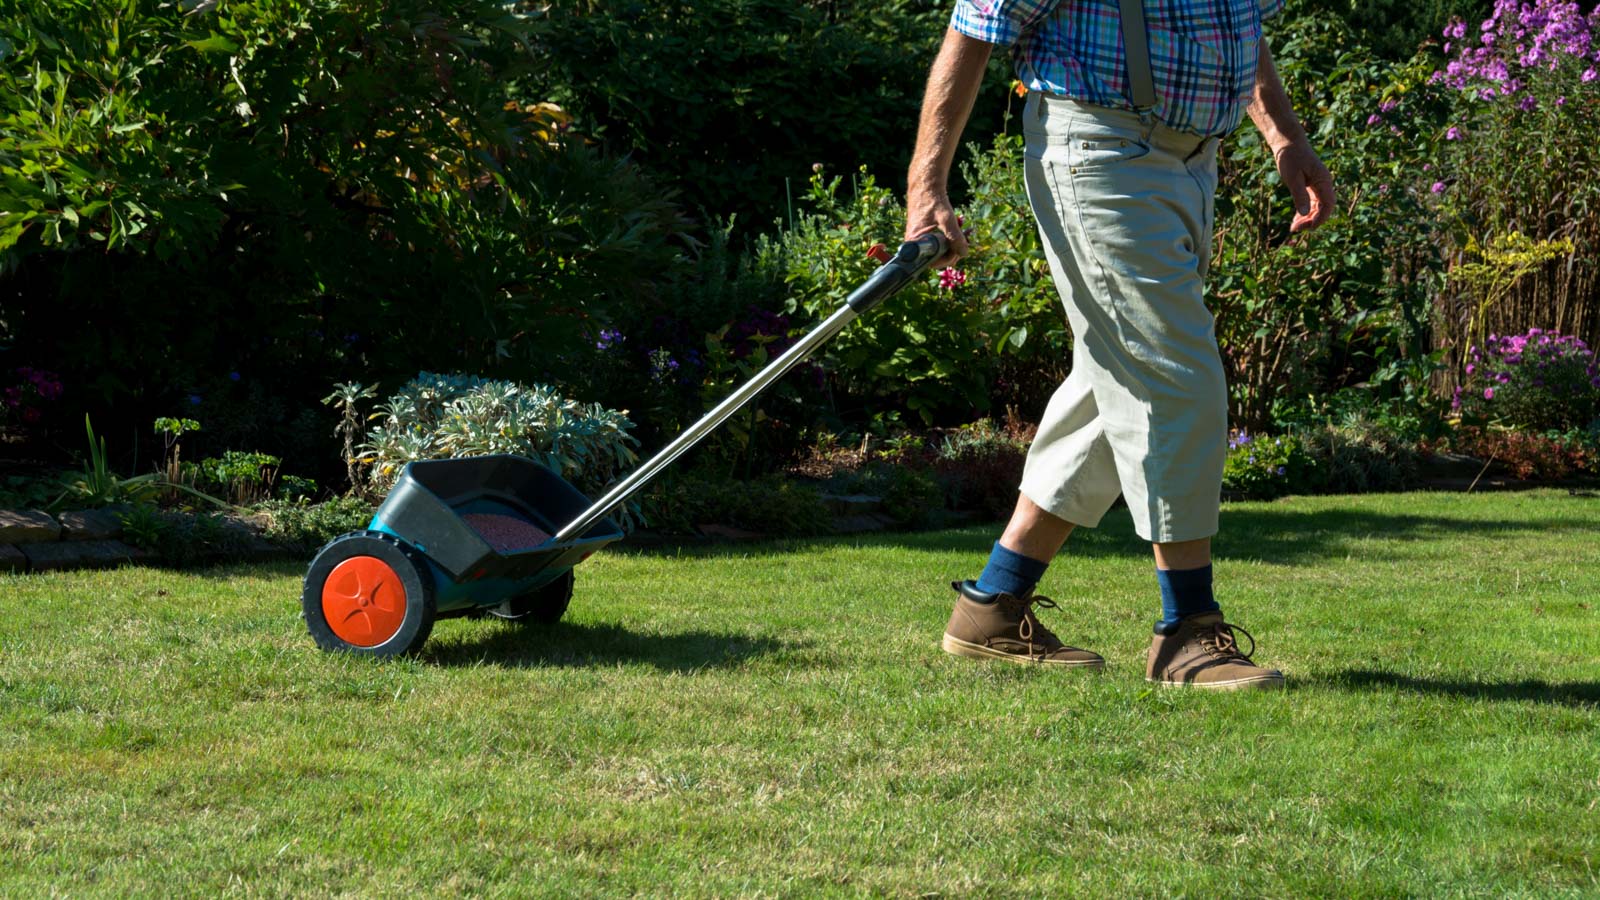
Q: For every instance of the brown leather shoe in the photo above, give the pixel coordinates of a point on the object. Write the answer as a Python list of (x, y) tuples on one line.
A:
[(1200, 651), (1000, 626)]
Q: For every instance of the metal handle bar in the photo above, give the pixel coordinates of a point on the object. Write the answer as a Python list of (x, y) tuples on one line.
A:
[(912, 260)]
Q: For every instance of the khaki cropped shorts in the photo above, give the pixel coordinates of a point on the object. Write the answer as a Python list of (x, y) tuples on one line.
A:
[(1125, 212)]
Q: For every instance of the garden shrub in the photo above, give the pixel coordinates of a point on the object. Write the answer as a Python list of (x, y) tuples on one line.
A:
[(239, 477), (1393, 29), (770, 504), (183, 539), (1357, 456), (1520, 161), (981, 464), (1263, 467), (285, 193), (302, 526), (445, 416), (1298, 318), (741, 96), (1537, 380), (935, 348), (910, 492)]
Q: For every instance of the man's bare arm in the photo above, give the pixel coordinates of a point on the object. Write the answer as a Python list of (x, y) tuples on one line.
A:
[(952, 87), (1303, 173)]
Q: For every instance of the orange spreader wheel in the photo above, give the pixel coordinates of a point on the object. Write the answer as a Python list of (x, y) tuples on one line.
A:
[(368, 592), (364, 601)]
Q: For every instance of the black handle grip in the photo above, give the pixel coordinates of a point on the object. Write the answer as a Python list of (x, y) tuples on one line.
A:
[(913, 258)]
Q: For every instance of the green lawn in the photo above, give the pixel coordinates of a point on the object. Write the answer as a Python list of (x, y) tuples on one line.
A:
[(778, 720)]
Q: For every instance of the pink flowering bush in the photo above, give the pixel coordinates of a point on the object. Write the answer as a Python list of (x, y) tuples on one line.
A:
[(1520, 154), (31, 390), (1536, 380)]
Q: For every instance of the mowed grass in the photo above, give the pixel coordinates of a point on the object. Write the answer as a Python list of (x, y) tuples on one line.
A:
[(777, 719)]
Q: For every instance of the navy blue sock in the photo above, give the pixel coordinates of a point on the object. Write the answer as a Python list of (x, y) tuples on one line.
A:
[(1009, 572), (1185, 592)]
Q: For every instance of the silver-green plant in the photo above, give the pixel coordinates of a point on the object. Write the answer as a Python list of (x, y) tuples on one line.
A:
[(445, 416)]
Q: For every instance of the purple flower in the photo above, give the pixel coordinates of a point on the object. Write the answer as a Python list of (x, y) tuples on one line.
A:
[(1589, 75), (1438, 187), (1471, 368), (1488, 393), (1374, 119), (1527, 103), (1388, 105), (1452, 133), (1280, 470)]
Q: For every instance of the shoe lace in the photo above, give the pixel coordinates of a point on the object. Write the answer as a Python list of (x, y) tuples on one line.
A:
[(1030, 627), (1222, 643)]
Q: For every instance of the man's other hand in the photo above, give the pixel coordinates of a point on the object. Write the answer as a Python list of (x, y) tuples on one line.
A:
[(1309, 184)]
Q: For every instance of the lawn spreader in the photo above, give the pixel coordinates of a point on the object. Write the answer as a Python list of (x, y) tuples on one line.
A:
[(482, 536)]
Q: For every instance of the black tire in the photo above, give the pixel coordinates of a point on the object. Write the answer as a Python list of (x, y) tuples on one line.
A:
[(415, 581), (541, 606)]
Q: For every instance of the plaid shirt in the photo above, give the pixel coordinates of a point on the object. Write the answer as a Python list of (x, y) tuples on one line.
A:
[(1203, 53)]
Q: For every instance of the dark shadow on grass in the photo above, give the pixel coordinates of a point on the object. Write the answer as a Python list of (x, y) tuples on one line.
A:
[(565, 645), (1578, 694)]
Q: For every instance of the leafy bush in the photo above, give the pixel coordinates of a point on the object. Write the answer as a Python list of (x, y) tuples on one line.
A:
[(242, 478), (1550, 456), (1394, 28), (29, 491), (307, 526), (288, 192), (446, 416), (742, 95), (184, 539), (1348, 304), (1520, 157), (1357, 456), (981, 464), (1261, 467), (935, 349), (770, 505), (1536, 380)]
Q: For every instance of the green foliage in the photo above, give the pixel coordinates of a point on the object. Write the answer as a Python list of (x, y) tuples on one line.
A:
[(769, 504), (183, 539), (1262, 467), (271, 185), (297, 489), (143, 526), (730, 99), (302, 526), (97, 485), (935, 349), (175, 428), (981, 465), (28, 492), (242, 477), (1393, 29), (445, 416), (1356, 455), (1347, 304)]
